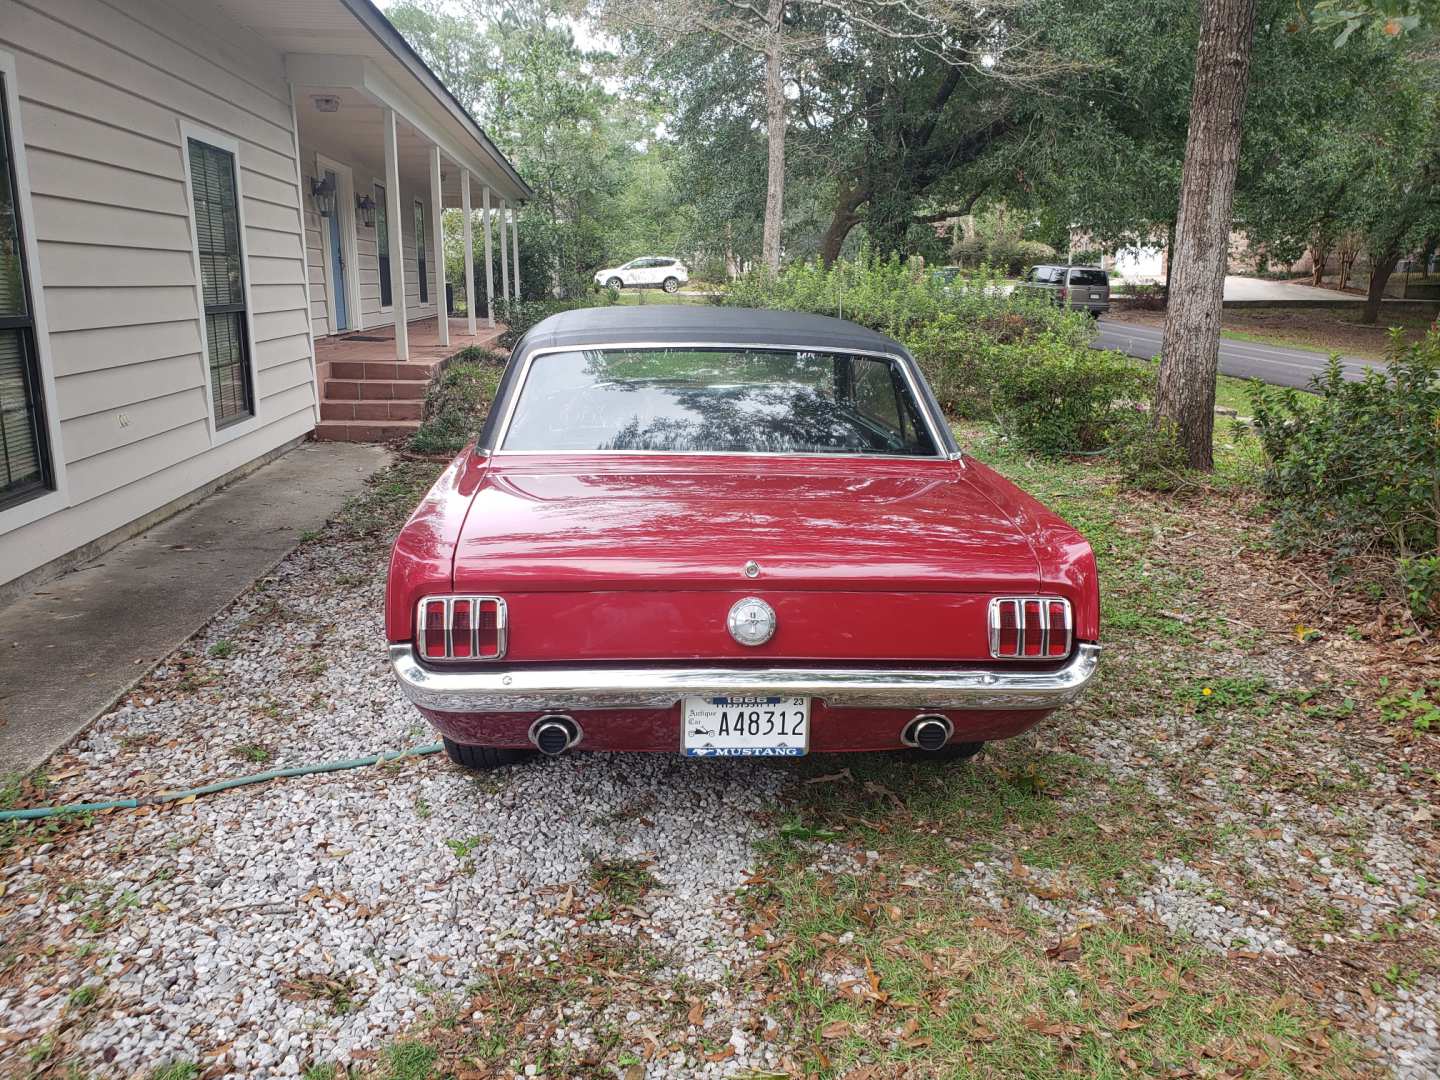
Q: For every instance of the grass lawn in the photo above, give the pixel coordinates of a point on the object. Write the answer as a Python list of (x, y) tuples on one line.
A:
[(1327, 330)]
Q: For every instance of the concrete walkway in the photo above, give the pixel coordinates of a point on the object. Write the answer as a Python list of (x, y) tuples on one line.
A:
[(72, 648)]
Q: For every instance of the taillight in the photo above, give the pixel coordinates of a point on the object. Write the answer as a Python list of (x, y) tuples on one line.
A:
[(461, 628), (1030, 627)]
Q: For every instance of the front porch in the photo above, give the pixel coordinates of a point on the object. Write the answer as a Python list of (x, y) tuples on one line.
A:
[(369, 396), (381, 170)]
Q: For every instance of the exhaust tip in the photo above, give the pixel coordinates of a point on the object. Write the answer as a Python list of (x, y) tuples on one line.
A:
[(554, 734), (928, 732)]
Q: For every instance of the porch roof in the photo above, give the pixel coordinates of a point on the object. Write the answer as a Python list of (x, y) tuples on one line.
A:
[(346, 50)]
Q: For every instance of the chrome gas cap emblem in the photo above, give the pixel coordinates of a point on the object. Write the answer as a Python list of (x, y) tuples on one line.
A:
[(752, 569), (751, 621)]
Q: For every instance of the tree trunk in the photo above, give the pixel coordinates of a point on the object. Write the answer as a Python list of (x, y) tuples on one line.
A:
[(1185, 394), (1380, 272), (1169, 256), (1319, 256), (774, 135), (845, 218)]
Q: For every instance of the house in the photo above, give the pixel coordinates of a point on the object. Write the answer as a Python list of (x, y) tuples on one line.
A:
[(220, 234)]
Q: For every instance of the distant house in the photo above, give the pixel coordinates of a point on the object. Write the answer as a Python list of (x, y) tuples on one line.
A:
[(193, 194)]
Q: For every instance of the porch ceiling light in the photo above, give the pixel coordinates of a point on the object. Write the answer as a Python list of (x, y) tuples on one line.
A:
[(322, 194), (365, 210)]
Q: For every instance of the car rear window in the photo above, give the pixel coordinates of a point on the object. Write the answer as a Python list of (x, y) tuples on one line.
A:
[(1089, 277), (764, 401)]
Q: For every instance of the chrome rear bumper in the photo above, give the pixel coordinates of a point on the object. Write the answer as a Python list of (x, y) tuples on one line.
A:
[(506, 688)]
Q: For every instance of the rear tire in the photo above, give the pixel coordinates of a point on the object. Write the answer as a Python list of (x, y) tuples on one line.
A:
[(952, 751), (481, 758), (672, 285), (615, 283)]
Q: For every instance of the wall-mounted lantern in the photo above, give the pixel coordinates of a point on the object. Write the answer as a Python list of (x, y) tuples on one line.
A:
[(322, 194), (365, 210)]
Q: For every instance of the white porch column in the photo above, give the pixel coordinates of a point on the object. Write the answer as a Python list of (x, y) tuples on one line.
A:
[(504, 256), (489, 265), (515, 247), (469, 253), (437, 217), (392, 229)]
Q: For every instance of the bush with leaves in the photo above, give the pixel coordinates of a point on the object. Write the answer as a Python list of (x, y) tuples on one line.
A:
[(1056, 399), (1356, 469), (986, 350), (1143, 296), (964, 332), (1149, 454), (900, 297), (520, 316)]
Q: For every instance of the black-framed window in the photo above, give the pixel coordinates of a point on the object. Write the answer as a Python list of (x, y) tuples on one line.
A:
[(25, 468), (420, 268), (382, 247), (222, 278)]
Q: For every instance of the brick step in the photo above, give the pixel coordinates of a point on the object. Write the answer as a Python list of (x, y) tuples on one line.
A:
[(371, 369), (374, 389), (375, 431), (331, 409)]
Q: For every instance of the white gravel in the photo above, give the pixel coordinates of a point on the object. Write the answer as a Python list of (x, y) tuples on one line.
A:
[(342, 877), (201, 916)]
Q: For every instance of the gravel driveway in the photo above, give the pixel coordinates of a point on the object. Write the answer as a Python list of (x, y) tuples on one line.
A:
[(318, 919), (227, 930)]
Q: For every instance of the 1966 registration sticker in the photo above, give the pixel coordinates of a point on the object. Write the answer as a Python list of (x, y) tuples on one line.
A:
[(737, 726)]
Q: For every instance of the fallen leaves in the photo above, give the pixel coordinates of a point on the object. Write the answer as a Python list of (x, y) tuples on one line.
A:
[(1064, 951)]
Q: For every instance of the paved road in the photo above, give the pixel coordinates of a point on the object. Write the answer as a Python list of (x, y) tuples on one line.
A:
[(1242, 359)]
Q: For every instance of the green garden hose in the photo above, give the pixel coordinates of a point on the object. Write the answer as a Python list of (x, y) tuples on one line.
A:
[(220, 785)]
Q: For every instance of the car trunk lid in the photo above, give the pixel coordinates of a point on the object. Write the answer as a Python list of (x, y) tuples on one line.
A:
[(630, 556)]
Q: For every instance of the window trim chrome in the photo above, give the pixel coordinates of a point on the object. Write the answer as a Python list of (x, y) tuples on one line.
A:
[(922, 401)]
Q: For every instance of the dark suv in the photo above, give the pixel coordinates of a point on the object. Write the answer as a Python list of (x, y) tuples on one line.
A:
[(1086, 288)]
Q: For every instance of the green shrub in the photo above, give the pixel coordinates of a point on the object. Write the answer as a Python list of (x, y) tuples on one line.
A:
[(1145, 296), (456, 401), (1056, 399), (1149, 454), (963, 332), (520, 316), (1356, 470)]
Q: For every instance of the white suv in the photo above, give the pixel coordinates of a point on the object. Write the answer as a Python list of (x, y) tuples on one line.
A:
[(651, 270)]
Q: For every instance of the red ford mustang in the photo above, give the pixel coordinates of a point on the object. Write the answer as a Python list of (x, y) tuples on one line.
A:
[(730, 533)]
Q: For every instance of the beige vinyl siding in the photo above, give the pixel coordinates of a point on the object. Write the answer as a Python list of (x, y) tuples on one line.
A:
[(104, 86), (367, 253), (315, 258)]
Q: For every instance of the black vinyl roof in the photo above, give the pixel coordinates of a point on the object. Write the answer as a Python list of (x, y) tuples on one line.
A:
[(696, 324)]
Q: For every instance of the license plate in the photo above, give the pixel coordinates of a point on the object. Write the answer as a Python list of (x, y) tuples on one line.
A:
[(737, 726), (1094, 296)]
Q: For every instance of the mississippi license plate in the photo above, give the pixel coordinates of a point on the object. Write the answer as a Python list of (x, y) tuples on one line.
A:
[(737, 726)]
